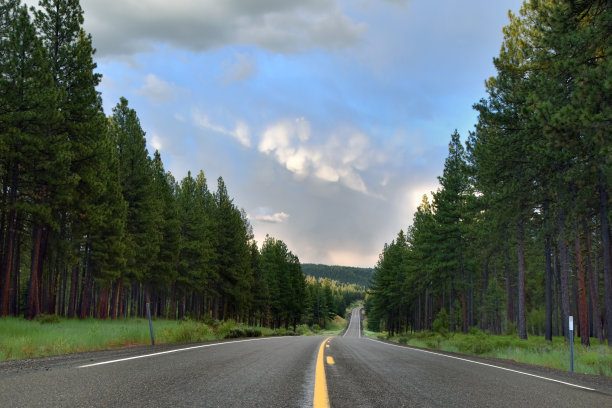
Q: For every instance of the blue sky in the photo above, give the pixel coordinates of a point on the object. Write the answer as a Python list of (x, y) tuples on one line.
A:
[(327, 119)]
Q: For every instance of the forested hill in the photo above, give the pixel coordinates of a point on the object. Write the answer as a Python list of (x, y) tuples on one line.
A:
[(345, 274)]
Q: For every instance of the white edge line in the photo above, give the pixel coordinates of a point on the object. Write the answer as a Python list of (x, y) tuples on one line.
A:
[(174, 351), (488, 365)]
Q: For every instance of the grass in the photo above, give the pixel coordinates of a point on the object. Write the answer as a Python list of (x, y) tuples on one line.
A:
[(20, 338), (334, 327), (597, 359)]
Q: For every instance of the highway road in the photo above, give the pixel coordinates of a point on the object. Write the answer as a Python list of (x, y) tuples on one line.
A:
[(349, 370)]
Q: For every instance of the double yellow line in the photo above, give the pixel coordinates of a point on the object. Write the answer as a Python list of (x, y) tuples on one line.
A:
[(321, 398)]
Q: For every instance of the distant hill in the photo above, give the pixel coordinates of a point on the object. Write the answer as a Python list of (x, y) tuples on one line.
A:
[(345, 274)]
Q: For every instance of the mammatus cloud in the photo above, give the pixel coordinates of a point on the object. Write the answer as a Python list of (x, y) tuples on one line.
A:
[(339, 159), (125, 27), (240, 132), (157, 90)]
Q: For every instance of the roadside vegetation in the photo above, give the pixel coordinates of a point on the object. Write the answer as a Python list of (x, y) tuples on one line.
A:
[(52, 335), (596, 359)]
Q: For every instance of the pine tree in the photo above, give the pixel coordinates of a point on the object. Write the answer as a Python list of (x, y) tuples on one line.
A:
[(450, 213), (142, 237), (28, 158)]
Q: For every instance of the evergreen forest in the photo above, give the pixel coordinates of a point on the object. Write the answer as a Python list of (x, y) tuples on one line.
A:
[(92, 225), (517, 237), (344, 274)]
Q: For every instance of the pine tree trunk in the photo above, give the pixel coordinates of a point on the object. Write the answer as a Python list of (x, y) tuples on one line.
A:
[(33, 305), (522, 314), (483, 294), (509, 292), (17, 279), (121, 300), (11, 236), (7, 262), (74, 280), (548, 289), (607, 258), (41, 262), (582, 295), (593, 278)]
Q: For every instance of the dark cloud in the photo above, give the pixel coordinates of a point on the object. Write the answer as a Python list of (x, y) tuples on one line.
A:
[(125, 27)]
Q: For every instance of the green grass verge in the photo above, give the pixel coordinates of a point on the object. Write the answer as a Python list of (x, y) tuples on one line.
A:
[(21, 338), (597, 359)]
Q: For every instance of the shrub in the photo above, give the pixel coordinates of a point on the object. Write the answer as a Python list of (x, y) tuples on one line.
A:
[(47, 318), (234, 333), (403, 340), (210, 321), (224, 328), (250, 332), (510, 329), (440, 324), (283, 332)]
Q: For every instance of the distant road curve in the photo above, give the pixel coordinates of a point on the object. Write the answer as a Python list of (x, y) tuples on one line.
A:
[(354, 327)]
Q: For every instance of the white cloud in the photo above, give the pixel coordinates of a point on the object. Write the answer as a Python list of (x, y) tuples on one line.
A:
[(340, 159), (241, 132), (157, 90), (124, 27), (275, 218)]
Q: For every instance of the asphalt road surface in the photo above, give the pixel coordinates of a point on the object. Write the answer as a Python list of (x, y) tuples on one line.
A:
[(345, 371)]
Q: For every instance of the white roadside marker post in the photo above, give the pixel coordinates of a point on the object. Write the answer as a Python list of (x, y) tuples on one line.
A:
[(571, 339)]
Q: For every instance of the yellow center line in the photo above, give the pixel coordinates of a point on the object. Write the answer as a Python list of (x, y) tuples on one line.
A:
[(321, 399), (330, 360)]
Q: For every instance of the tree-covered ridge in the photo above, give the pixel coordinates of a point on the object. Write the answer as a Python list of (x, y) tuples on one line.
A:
[(90, 223), (518, 234), (345, 274)]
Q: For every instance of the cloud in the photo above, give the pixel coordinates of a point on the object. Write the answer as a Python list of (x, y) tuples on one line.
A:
[(241, 132), (157, 90), (340, 159), (127, 27), (244, 67), (275, 218)]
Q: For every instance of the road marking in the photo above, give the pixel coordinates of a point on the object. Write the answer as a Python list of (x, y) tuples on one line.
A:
[(320, 399), (173, 351), (327, 346), (488, 365), (330, 360)]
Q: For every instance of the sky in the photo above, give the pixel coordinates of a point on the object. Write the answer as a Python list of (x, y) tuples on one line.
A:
[(327, 119)]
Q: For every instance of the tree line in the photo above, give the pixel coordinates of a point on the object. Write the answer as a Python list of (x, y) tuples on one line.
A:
[(517, 236), (90, 224), (327, 298), (344, 274)]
